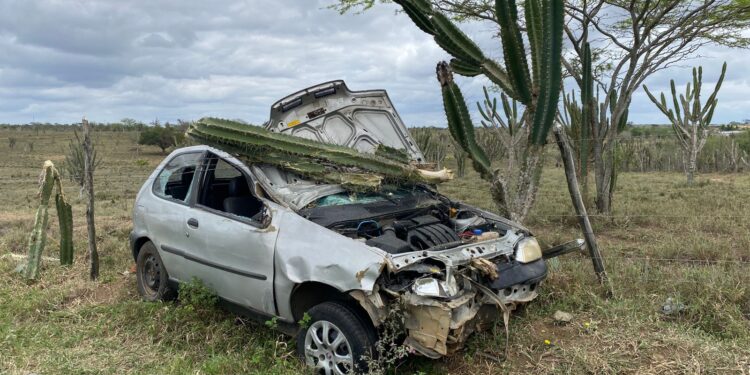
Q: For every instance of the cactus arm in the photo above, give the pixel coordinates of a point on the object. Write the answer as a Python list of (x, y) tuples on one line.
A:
[(65, 220), (482, 113), (459, 121), (418, 14), (498, 76), (551, 80), (532, 12), (587, 101), (38, 236), (706, 120), (675, 101), (460, 43), (712, 98), (392, 153), (623, 121), (465, 69), (320, 161), (470, 60), (513, 49)]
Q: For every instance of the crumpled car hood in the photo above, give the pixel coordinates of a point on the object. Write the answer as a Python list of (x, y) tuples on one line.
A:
[(331, 113)]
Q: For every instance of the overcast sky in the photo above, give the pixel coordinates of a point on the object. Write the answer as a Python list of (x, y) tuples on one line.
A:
[(187, 59)]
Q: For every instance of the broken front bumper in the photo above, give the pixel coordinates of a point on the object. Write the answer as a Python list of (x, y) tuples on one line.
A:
[(437, 327)]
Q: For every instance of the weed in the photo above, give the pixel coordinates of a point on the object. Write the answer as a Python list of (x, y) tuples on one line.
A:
[(195, 295), (305, 321), (389, 349), (272, 323)]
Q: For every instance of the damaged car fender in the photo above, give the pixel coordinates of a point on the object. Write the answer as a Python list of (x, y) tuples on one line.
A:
[(308, 253)]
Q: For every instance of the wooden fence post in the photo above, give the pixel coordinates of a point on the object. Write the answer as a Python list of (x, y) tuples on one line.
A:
[(583, 217), (88, 184)]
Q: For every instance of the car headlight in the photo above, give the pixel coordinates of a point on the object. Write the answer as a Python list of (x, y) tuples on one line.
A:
[(528, 250), (431, 287)]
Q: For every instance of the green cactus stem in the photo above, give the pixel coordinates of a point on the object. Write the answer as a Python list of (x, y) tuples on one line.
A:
[(539, 92), (49, 181), (316, 160), (690, 125), (459, 121)]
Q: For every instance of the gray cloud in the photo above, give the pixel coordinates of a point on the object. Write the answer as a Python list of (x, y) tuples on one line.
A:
[(186, 59)]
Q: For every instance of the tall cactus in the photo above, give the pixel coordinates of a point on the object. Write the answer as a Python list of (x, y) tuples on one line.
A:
[(49, 181), (319, 161), (691, 125), (536, 87), (582, 119)]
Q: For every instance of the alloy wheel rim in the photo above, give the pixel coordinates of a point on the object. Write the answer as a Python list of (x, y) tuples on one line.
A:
[(327, 350)]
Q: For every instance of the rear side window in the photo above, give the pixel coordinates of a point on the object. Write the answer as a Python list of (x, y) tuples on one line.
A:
[(176, 179)]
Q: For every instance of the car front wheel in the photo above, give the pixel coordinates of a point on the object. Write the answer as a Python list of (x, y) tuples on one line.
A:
[(336, 341), (151, 275)]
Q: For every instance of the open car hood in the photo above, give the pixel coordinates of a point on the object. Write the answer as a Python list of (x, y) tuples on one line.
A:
[(331, 113)]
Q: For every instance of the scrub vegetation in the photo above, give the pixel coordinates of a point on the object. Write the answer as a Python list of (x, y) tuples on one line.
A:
[(664, 240)]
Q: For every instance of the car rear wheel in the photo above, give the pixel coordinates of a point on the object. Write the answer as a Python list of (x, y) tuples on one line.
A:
[(336, 341), (151, 275)]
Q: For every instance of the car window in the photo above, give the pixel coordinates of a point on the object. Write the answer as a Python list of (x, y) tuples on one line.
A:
[(175, 180), (226, 189)]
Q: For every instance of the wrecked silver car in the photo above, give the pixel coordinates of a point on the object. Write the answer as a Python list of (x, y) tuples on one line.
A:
[(274, 244)]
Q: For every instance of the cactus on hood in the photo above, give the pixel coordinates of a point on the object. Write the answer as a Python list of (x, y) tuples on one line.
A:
[(316, 160), (49, 181)]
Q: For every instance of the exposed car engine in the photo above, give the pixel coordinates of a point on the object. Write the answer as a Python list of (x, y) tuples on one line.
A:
[(424, 222)]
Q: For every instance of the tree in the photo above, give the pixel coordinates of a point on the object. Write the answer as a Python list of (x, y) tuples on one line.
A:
[(512, 136), (691, 124), (635, 39), (162, 136), (88, 185), (630, 40), (74, 165), (130, 123)]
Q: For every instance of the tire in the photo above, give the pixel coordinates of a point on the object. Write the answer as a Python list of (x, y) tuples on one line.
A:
[(151, 275), (320, 352)]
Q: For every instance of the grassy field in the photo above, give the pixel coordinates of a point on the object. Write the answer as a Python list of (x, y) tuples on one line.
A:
[(665, 240)]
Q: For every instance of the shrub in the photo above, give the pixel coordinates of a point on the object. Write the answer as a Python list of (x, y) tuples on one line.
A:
[(162, 136)]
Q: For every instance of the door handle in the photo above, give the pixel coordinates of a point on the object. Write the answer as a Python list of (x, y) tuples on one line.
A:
[(193, 223)]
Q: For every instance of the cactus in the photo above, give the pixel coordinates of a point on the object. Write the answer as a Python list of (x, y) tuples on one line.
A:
[(538, 91), (691, 129), (316, 160), (433, 143), (49, 181), (582, 118), (535, 86)]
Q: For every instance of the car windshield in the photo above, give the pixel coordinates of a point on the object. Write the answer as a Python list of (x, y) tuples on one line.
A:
[(391, 194)]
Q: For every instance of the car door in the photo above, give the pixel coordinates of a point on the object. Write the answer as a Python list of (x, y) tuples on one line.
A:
[(166, 211), (232, 237)]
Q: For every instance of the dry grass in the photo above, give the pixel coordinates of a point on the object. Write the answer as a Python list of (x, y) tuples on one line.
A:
[(665, 240)]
